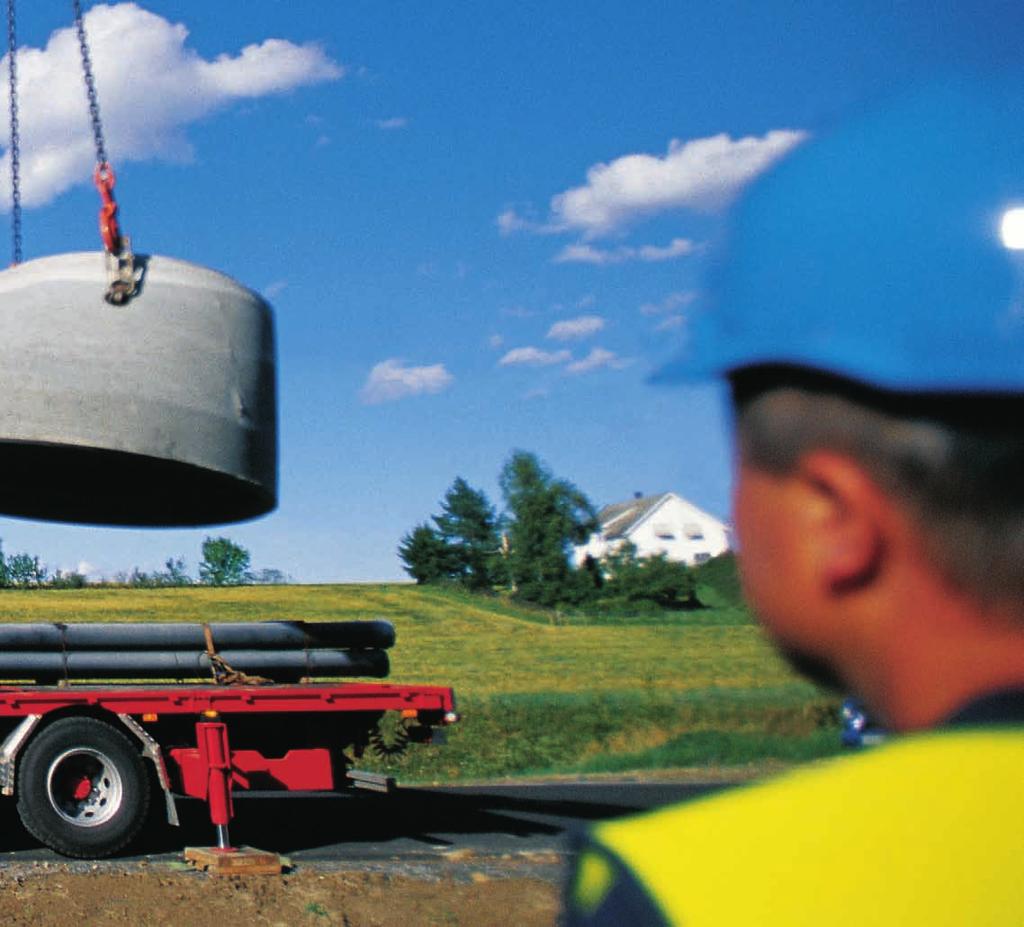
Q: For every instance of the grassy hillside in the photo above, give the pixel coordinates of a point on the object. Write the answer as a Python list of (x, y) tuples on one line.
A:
[(539, 691)]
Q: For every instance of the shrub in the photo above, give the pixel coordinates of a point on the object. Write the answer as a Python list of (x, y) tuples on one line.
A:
[(67, 579), (656, 579), (721, 574)]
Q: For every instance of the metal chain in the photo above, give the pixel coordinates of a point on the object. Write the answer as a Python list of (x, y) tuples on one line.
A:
[(123, 283), (90, 86), (15, 141)]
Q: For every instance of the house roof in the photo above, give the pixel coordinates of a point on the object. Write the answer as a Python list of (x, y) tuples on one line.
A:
[(618, 519)]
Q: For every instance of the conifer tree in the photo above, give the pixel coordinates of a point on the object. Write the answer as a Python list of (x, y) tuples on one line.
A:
[(468, 525), (546, 517), (425, 555)]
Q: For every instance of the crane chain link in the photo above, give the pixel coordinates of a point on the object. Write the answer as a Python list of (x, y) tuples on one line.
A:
[(14, 148), (90, 85), (122, 279), (121, 274)]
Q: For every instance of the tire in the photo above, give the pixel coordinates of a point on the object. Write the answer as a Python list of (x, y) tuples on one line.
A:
[(82, 788)]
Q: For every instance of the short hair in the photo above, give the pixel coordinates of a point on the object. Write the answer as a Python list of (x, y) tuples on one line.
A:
[(955, 461)]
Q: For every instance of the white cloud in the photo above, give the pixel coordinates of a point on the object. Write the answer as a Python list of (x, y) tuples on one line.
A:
[(275, 289), (672, 301), (583, 253), (596, 359), (390, 380), (580, 327), (703, 174), (668, 311), (151, 86), (395, 122), (678, 247), (534, 357), (670, 323), (510, 221), (587, 254), (496, 341)]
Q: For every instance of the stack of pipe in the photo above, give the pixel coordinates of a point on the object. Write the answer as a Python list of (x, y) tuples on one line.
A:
[(283, 651)]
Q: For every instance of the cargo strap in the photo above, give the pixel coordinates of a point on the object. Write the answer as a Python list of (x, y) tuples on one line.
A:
[(224, 674)]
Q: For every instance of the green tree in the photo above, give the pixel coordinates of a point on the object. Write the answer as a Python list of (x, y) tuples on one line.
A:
[(426, 557), (25, 570), (224, 563), (545, 516), (468, 527)]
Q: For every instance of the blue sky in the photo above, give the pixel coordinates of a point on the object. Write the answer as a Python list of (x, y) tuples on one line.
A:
[(481, 226)]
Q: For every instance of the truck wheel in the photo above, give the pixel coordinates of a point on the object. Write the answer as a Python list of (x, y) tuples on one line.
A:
[(82, 788)]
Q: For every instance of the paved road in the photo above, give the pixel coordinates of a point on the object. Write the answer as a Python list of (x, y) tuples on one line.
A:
[(411, 824)]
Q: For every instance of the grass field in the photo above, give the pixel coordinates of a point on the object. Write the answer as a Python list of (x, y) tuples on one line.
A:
[(540, 692)]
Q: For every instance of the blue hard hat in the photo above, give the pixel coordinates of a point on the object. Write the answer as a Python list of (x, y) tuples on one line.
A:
[(889, 251)]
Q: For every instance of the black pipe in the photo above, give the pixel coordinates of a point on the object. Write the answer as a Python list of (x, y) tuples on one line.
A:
[(285, 665), (262, 635)]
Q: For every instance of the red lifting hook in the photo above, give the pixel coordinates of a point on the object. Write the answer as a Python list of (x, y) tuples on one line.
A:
[(110, 232)]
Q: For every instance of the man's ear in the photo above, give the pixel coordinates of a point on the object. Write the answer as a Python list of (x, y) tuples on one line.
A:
[(846, 518)]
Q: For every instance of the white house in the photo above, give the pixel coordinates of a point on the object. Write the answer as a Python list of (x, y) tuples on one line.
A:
[(657, 524)]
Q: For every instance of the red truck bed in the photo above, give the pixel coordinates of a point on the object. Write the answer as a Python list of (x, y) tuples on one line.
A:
[(20, 701)]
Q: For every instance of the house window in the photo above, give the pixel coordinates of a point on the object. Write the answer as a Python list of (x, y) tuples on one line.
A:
[(702, 557), (664, 531), (694, 531)]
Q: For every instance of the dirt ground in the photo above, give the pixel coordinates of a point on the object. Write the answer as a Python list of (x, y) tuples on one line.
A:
[(502, 893)]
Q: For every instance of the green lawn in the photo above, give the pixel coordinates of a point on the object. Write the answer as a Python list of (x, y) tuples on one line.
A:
[(540, 691)]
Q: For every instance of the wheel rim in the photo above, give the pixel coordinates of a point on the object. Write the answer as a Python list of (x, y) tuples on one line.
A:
[(84, 787)]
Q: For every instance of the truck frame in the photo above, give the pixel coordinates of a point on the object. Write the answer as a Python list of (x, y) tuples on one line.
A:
[(84, 761)]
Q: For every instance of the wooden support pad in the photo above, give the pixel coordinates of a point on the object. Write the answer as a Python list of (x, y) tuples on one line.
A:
[(236, 861)]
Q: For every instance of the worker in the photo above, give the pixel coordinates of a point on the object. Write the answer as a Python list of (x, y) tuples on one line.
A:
[(868, 314)]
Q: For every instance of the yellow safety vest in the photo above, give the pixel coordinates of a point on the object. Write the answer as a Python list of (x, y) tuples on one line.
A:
[(927, 830)]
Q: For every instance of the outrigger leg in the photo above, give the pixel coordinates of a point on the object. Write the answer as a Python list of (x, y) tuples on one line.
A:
[(215, 760), (215, 755)]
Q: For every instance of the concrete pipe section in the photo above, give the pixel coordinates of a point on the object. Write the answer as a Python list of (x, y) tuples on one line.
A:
[(160, 412)]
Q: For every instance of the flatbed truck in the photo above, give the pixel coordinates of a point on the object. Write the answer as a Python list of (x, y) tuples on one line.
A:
[(85, 762)]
